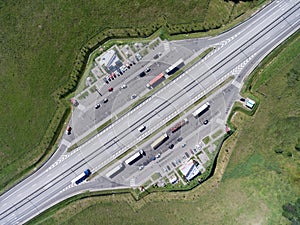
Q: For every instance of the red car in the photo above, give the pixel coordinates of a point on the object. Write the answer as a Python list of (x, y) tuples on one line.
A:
[(110, 89)]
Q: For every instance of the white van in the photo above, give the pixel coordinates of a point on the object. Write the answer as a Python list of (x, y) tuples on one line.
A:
[(141, 128)]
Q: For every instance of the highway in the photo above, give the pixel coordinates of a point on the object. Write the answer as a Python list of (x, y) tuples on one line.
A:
[(246, 46)]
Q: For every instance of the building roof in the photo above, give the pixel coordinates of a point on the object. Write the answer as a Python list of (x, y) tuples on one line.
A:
[(189, 170), (173, 178), (250, 103), (107, 59)]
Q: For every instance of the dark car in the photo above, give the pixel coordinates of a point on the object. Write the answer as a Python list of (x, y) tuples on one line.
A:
[(179, 139), (142, 74), (68, 130), (155, 56), (171, 146), (242, 99), (205, 122), (110, 89)]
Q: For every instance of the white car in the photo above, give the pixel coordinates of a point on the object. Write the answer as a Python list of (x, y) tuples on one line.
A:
[(123, 68), (141, 167), (138, 56)]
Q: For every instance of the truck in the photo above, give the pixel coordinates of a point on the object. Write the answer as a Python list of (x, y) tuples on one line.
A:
[(159, 141), (133, 158), (82, 177), (202, 109), (176, 66), (115, 170), (156, 80), (179, 125)]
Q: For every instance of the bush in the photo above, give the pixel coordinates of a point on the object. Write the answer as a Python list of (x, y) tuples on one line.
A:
[(292, 211), (278, 151), (297, 146)]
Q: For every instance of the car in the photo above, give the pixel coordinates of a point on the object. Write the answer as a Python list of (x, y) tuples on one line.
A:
[(191, 151), (153, 158), (105, 100), (97, 106), (127, 65), (110, 89), (111, 77), (165, 170), (138, 56), (124, 86), (242, 99), (141, 167), (168, 168), (133, 96), (187, 155), (68, 130), (147, 70), (155, 56), (173, 164), (158, 155), (142, 74), (205, 122), (142, 128), (171, 146), (123, 68), (117, 73), (183, 145), (179, 139), (105, 80)]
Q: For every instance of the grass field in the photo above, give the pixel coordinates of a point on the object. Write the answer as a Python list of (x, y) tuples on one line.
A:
[(39, 42), (257, 181)]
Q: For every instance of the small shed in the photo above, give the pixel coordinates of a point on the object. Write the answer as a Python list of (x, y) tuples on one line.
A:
[(250, 103)]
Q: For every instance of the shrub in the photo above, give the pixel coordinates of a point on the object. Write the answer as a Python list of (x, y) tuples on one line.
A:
[(297, 147), (278, 151)]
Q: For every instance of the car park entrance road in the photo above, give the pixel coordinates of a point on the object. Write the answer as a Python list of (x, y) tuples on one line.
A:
[(249, 43)]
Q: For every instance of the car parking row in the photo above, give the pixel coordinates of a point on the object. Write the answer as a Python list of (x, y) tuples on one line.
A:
[(173, 164), (120, 71)]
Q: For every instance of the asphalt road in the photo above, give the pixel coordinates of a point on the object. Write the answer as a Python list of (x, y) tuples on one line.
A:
[(238, 52)]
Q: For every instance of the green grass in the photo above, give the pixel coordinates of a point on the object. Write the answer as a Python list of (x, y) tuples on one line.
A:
[(147, 183), (217, 134), (206, 140), (256, 183), (39, 44), (156, 176)]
